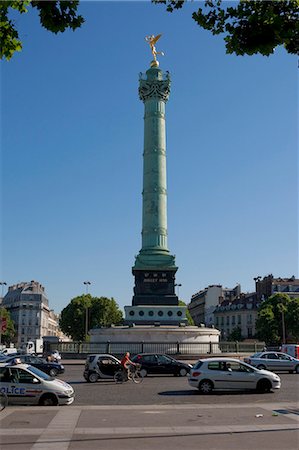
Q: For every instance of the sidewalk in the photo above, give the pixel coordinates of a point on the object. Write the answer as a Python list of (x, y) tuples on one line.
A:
[(221, 427)]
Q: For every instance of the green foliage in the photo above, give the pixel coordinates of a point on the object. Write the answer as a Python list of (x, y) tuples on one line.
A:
[(102, 312), (269, 322), (188, 315), (236, 335), (249, 26), (6, 337), (55, 16)]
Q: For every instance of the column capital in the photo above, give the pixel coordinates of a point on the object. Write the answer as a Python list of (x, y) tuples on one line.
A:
[(156, 85)]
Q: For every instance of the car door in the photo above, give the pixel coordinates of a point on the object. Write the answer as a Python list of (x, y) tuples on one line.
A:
[(107, 366), (239, 376), (273, 361), (286, 362), (22, 387), (165, 364), (150, 363)]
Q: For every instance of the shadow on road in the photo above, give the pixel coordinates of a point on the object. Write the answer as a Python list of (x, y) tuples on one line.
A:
[(184, 393)]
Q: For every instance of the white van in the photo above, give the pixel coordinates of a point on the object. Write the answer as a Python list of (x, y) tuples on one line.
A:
[(27, 385), (291, 349)]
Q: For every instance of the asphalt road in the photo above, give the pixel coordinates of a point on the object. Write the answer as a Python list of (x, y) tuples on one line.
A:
[(168, 390)]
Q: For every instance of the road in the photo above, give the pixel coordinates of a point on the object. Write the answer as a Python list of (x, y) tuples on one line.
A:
[(168, 390), (161, 412)]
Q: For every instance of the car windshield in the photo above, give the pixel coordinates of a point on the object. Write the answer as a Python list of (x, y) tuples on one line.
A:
[(256, 355), (39, 373)]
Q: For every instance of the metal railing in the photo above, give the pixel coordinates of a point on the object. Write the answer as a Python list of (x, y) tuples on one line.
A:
[(172, 348)]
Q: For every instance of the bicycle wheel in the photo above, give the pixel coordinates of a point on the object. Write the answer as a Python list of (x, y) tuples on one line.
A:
[(137, 377), (3, 401), (119, 377)]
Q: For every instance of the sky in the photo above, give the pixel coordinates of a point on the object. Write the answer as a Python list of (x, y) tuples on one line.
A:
[(72, 144)]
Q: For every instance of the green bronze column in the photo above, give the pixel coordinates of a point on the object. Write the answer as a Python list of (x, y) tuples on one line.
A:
[(154, 299)]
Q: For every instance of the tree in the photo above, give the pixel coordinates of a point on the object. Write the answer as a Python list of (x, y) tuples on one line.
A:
[(188, 315), (101, 312), (251, 26), (55, 16), (278, 317), (236, 334), (9, 333)]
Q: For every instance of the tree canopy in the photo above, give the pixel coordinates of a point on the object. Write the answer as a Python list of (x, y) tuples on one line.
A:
[(9, 333), (101, 311), (249, 26), (55, 16), (188, 315), (272, 312)]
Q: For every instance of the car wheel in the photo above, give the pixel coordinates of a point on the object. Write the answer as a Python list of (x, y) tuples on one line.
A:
[(264, 386), (143, 373), (297, 369), (93, 377), (206, 387), (183, 372), (53, 372), (48, 400), (261, 367)]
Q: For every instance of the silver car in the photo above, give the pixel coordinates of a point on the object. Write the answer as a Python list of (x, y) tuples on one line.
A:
[(274, 361), (27, 385), (231, 374)]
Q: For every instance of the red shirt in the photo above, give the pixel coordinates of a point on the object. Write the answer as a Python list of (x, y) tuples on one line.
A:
[(125, 361)]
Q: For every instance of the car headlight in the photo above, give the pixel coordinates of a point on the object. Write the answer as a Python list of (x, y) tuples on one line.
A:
[(68, 391), (62, 367)]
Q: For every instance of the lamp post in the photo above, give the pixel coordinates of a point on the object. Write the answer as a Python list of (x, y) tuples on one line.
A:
[(87, 284), (178, 286)]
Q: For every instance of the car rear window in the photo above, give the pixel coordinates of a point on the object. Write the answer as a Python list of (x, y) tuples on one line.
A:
[(197, 365), (91, 358)]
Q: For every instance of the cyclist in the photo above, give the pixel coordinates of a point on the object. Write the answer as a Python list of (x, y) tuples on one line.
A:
[(126, 363)]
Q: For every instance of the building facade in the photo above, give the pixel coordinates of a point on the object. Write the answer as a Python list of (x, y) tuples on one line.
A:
[(240, 313), (28, 306), (204, 302), (267, 286)]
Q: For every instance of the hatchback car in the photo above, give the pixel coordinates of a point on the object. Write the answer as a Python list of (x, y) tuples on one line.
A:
[(51, 368), (101, 366), (274, 361), (27, 385), (158, 364), (231, 374)]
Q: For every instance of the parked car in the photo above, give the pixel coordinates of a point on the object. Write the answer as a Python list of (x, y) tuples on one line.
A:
[(27, 385), (102, 366), (157, 363), (51, 368), (274, 361), (231, 374)]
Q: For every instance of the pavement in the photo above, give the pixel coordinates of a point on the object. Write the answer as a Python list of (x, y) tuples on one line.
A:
[(190, 426)]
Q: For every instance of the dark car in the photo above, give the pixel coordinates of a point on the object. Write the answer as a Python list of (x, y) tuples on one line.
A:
[(50, 368), (100, 366), (158, 364)]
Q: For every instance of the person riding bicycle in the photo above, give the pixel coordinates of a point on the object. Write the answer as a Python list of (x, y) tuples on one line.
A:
[(126, 363)]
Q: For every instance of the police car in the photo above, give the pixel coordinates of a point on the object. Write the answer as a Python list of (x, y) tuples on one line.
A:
[(26, 385)]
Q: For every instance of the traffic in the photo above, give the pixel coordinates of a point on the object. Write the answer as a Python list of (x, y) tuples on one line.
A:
[(27, 384)]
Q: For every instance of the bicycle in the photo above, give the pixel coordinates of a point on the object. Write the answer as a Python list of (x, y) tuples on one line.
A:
[(3, 401), (121, 375)]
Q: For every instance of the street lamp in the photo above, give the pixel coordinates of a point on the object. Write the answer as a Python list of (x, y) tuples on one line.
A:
[(178, 286), (87, 284)]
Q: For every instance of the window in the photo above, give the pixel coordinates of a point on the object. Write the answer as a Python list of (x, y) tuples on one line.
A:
[(239, 320), (162, 359), (227, 320), (233, 320)]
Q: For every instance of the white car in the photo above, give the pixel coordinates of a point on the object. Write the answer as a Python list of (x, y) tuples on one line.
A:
[(226, 373), (27, 385)]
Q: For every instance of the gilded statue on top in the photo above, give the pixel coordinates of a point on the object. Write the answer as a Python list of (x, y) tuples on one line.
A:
[(152, 39)]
